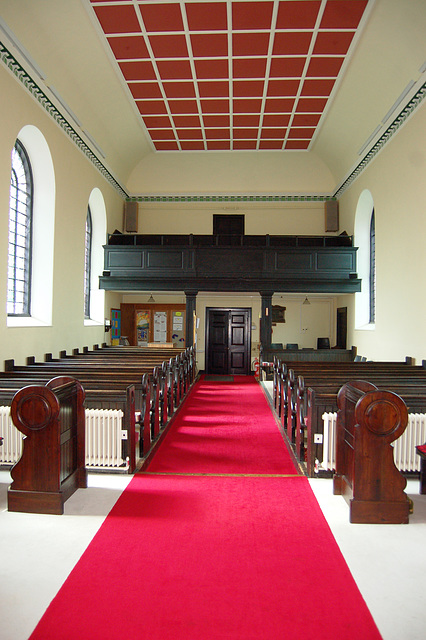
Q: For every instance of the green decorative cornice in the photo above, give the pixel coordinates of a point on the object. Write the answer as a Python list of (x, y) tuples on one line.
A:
[(229, 198), (384, 138), (21, 74)]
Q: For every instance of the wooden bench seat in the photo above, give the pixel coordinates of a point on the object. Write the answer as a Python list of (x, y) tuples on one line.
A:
[(151, 390), (301, 395)]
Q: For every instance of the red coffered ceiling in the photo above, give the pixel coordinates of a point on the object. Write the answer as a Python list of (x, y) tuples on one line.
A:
[(230, 75)]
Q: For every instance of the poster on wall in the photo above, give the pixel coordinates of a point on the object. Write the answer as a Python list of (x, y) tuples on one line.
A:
[(142, 328), (115, 326), (178, 328), (160, 326)]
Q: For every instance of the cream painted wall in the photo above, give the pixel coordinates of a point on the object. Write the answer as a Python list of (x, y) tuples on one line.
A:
[(396, 180), (292, 218), (373, 81), (75, 177), (225, 173), (305, 322)]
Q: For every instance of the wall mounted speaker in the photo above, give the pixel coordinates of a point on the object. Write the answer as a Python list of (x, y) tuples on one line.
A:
[(331, 215), (130, 222)]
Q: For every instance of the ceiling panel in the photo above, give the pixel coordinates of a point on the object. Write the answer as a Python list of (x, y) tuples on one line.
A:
[(230, 75)]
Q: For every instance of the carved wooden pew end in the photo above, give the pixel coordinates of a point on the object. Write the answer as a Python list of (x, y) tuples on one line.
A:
[(52, 465), (368, 421)]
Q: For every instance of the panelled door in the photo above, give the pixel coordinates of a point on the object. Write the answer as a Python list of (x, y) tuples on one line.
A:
[(228, 341), (342, 327)]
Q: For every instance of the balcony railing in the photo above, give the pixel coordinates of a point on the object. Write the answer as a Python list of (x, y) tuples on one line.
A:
[(230, 263)]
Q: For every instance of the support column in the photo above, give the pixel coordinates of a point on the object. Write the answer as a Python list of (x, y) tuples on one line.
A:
[(266, 319), (191, 297)]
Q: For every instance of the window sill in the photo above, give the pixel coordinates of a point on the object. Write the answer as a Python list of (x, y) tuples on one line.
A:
[(367, 327), (92, 323), (26, 322)]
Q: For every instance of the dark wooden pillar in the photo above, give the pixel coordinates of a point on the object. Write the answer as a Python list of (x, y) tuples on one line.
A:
[(191, 297), (266, 319)]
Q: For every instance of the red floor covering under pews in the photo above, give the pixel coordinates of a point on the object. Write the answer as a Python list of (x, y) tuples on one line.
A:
[(219, 539)]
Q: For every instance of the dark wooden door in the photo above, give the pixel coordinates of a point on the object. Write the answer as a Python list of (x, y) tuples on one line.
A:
[(228, 341), (342, 327)]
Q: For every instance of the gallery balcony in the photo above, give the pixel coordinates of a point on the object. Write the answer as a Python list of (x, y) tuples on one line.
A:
[(241, 263)]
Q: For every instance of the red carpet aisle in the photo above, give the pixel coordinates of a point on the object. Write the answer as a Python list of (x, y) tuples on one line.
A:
[(206, 553), (225, 428)]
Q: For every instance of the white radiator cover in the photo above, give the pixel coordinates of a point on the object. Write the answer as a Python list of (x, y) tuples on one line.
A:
[(405, 456), (103, 438), (11, 450), (104, 435)]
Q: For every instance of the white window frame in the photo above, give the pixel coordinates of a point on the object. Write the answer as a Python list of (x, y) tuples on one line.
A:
[(43, 230), (365, 208)]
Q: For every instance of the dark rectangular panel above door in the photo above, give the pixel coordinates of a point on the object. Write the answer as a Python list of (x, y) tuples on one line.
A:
[(228, 224)]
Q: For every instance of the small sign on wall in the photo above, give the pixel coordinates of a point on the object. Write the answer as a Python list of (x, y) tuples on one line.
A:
[(178, 328), (115, 326), (160, 326)]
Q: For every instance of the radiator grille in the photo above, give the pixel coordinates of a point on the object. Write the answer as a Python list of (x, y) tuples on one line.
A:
[(103, 438), (405, 456), (11, 450)]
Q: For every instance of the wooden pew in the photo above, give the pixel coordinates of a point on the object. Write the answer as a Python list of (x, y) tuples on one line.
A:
[(115, 382), (316, 374), (109, 371), (320, 400), (300, 413), (52, 465), (421, 451), (145, 418), (119, 399), (368, 421)]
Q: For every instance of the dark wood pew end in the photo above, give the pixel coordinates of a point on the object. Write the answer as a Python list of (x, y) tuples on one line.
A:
[(421, 451)]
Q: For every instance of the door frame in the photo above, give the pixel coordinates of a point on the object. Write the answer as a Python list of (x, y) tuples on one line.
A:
[(247, 343)]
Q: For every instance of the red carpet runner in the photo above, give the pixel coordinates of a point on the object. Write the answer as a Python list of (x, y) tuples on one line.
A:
[(219, 539)]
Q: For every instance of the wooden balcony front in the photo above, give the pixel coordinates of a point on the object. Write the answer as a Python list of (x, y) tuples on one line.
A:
[(305, 264)]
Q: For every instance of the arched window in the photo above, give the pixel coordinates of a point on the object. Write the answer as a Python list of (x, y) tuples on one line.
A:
[(87, 263), (372, 269), (20, 233), (39, 277), (96, 313), (365, 240)]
